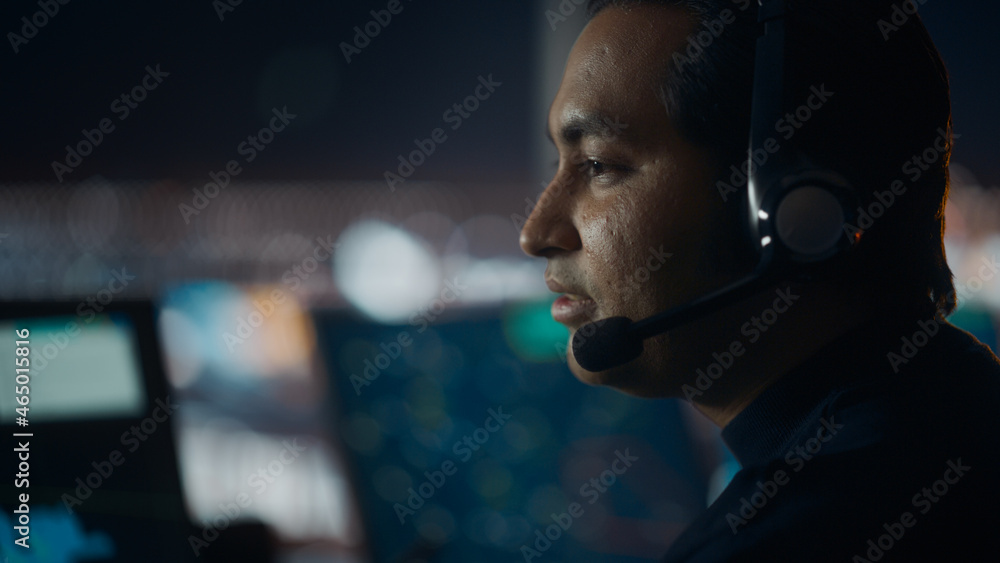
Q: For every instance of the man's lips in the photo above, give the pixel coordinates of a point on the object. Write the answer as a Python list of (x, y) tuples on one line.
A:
[(574, 307), (573, 310)]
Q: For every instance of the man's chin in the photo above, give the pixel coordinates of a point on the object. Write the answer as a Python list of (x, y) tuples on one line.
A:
[(588, 377), (638, 377), (627, 379)]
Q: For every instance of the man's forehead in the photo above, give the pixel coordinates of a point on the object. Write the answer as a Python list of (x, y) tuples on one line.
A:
[(614, 74), (633, 33), (615, 71)]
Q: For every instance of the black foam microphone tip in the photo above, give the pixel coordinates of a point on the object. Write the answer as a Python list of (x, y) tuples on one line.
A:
[(605, 344)]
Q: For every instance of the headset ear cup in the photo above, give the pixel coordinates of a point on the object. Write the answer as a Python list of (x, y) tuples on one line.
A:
[(809, 222)]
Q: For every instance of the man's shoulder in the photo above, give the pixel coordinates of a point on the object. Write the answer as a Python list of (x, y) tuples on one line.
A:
[(948, 391), (910, 453), (865, 504)]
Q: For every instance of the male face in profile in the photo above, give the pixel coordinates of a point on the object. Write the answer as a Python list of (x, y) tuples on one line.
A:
[(632, 223)]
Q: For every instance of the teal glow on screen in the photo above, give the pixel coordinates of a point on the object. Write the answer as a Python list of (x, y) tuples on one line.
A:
[(79, 368)]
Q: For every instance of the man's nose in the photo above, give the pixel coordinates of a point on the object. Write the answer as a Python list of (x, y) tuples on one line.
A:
[(550, 228)]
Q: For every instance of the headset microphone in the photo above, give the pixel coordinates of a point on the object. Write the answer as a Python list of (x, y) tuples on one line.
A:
[(795, 214)]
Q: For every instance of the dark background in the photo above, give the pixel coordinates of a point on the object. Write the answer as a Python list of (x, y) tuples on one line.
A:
[(225, 76), (353, 118)]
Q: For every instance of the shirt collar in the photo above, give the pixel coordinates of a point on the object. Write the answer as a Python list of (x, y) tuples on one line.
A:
[(761, 432)]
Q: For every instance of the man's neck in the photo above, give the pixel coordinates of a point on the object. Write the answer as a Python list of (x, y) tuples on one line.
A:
[(811, 329)]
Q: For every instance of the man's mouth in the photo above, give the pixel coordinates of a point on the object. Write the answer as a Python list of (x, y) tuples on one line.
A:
[(574, 310)]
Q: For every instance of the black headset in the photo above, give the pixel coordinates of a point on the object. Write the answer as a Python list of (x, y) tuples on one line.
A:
[(796, 212)]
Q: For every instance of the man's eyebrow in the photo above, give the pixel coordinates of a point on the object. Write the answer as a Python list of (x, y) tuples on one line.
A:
[(586, 125)]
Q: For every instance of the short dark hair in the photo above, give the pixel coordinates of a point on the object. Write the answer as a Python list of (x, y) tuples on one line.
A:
[(891, 103)]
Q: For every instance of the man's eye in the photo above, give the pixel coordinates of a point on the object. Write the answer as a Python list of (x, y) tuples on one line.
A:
[(594, 168)]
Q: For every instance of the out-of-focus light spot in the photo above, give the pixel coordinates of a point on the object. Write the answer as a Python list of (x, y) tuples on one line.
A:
[(528, 430), (532, 333), (490, 479), (391, 483), (495, 528), (545, 500), (417, 454), (474, 525), (428, 439), (281, 334), (487, 236), (385, 272), (362, 433), (488, 281), (991, 287), (435, 524), (180, 343), (391, 414), (433, 227), (428, 357), (304, 498), (500, 378), (427, 402), (239, 334), (212, 307)]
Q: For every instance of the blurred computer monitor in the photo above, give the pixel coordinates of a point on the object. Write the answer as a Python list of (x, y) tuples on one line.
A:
[(101, 471), (464, 442)]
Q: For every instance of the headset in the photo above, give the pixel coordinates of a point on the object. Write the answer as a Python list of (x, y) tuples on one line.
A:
[(795, 214)]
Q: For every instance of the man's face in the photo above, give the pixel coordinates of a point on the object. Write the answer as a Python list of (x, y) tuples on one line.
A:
[(631, 223)]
